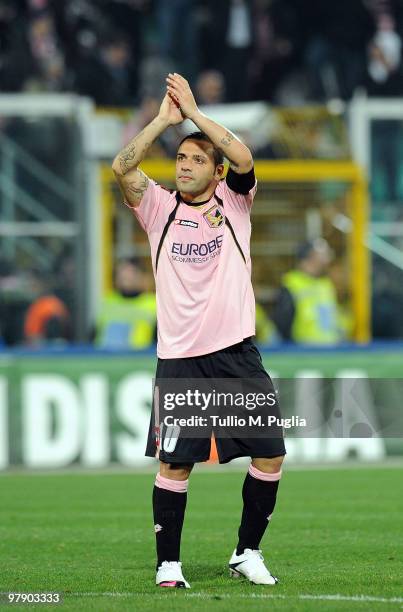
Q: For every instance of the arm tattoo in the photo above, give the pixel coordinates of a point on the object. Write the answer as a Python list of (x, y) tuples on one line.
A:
[(228, 138), (136, 189), (126, 157)]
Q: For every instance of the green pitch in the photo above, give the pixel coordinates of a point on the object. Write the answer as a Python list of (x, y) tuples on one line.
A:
[(336, 536)]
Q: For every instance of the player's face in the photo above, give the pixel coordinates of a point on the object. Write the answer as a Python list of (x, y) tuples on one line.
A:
[(195, 167)]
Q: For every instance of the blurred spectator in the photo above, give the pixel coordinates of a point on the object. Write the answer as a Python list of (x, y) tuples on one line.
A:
[(107, 76), (47, 318), (35, 60), (129, 17), (79, 23), (338, 33), (210, 88), (237, 51), (275, 32), (306, 306), (128, 314), (176, 23), (385, 78), (384, 60), (226, 43)]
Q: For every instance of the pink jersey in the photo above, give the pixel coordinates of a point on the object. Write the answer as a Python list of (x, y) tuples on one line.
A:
[(205, 300)]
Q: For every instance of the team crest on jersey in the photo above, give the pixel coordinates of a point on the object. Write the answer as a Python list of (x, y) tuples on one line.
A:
[(214, 216)]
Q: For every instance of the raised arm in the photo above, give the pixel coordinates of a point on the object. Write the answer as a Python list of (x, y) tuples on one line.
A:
[(132, 181), (238, 154)]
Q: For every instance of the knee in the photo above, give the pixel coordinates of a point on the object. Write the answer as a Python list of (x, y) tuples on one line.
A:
[(269, 466), (175, 471)]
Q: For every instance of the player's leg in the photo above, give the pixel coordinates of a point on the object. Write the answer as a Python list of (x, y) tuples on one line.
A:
[(177, 456), (261, 483), (169, 504), (259, 493)]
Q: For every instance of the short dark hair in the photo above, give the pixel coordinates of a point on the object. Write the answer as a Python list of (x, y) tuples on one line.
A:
[(217, 153)]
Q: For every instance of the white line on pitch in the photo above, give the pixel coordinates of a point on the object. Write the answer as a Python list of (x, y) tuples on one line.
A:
[(335, 597)]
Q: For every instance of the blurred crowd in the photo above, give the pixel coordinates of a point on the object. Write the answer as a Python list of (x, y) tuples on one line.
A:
[(37, 307), (38, 311), (281, 51)]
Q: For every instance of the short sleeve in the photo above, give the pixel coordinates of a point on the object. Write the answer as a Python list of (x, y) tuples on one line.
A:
[(229, 188), (151, 204)]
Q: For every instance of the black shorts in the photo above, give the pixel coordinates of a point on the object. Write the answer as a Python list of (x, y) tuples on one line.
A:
[(242, 361)]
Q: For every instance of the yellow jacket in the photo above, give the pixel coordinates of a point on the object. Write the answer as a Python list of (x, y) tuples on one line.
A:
[(127, 322), (315, 320)]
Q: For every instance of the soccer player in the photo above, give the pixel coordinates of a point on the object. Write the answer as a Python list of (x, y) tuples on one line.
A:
[(199, 237)]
